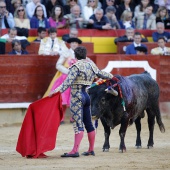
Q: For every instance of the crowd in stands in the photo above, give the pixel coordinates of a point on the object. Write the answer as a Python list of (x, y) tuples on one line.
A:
[(21, 15), (97, 14)]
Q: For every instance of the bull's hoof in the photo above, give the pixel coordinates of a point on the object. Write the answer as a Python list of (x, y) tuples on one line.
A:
[(138, 147), (122, 150), (150, 147), (105, 150)]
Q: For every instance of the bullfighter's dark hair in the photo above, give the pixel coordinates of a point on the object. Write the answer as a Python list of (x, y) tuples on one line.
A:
[(52, 30), (80, 52)]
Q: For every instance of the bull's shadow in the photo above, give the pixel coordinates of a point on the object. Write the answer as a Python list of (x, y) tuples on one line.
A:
[(123, 100)]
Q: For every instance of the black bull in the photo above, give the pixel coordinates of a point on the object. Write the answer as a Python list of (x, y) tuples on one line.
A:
[(139, 92)]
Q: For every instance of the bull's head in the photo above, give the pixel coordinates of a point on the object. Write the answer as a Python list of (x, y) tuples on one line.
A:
[(103, 98)]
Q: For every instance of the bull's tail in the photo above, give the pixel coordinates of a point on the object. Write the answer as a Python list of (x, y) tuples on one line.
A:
[(160, 123)]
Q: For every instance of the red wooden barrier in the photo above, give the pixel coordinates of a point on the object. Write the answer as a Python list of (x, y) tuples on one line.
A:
[(26, 78), (91, 32)]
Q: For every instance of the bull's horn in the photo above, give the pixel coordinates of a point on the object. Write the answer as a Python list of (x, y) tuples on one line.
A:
[(111, 91)]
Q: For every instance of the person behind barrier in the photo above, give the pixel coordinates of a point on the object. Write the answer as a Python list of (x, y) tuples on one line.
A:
[(130, 49), (17, 49), (41, 34), (161, 49), (73, 33), (52, 45), (80, 76), (12, 34)]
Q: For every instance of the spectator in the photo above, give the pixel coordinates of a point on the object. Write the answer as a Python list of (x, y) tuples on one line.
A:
[(161, 33), (15, 5), (72, 34), (56, 19), (130, 49), (20, 18), (52, 45), (70, 4), (162, 16), (9, 6), (75, 19), (129, 36), (165, 3), (6, 18), (38, 19), (51, 4), (88, 9), (126, 20), (141, 50), (140, 9), (161, 49), (126, 5), (12, 34), (41, 34), (25, 2), (108, 3), (16, 48), (99, 21), (110, 14), (30, 8), (146, 20)]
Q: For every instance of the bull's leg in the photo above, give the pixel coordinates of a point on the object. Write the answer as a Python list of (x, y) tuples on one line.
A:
[(138, 129), (107, 132), (151, 123), (122, 132)]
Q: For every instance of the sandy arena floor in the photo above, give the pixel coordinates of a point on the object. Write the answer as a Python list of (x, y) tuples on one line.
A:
[(139, 159)]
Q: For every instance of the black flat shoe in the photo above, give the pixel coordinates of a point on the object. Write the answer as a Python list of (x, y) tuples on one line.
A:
[(74, 155), (88, 153)]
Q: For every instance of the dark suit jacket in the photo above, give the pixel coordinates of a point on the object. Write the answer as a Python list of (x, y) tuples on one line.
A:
[(125, 39), (14, 52), (130, 49)]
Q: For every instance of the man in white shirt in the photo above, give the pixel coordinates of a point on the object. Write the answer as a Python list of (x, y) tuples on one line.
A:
[(30, 8), (6, 18), (161, 49), (52, 45), (12, 34)]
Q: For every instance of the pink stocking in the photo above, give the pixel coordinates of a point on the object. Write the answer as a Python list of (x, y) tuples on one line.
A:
[(77, 140), (91, 138)]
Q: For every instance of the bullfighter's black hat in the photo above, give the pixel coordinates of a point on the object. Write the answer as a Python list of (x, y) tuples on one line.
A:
[(74, 40), (141, 49)]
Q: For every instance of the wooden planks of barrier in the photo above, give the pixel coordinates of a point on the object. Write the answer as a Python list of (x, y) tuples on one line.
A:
[(26, 78)]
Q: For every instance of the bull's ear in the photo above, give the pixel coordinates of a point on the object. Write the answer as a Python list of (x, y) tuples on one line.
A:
[(111, 91)]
